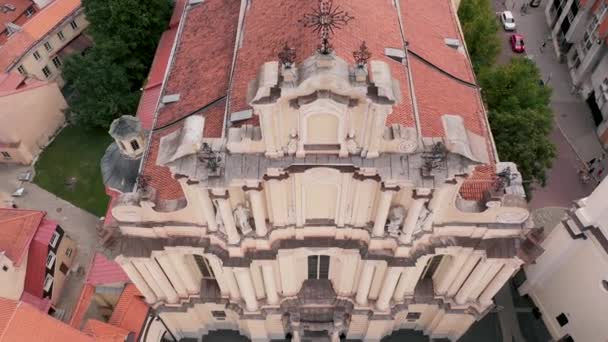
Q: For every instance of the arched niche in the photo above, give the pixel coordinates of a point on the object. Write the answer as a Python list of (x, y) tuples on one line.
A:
[(321, 195)]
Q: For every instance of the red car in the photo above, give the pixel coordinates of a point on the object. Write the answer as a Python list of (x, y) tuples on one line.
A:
[(517, 43)]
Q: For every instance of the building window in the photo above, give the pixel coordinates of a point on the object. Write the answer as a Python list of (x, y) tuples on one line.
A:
[(50, 260), (60, 35), (63, 268), (56, 62), (36, 55), (54, 239), (68, 252), (562, 319), (219, 315), (30, 11), (413, 316), (21, 69), (48, 282), (73, 24), (46, 71), (318, 267), (6, 155), (48, 46), (134, 145), (568, 338), (203, 266)]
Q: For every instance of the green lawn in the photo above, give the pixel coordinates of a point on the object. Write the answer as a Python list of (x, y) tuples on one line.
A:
[(75, 153)]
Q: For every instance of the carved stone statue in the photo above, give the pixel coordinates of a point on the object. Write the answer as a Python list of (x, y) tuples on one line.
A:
[(242, 217), (396, 216), (292, 145)]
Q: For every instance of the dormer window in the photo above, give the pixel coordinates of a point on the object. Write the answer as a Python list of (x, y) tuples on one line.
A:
[(134, 145)]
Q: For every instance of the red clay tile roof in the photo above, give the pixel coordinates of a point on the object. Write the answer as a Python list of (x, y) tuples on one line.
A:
[(82, 306), (104, 271), (167, 187), (41, 304), (36, 268), (35, 29), (104, 332), (201, 66), (147, 106), (482, 180), (45, 231), (10, 81), (131, 311), (18, 15), (20, 321), (17, 229)]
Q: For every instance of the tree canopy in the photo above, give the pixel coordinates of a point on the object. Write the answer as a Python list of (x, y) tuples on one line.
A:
[(105, 83), (520, 116), (480, 29)]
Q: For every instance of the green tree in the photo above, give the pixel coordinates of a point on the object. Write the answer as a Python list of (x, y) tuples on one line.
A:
[(130, 29), (480, 28), (99, 89), (520, 116), (105, 83)]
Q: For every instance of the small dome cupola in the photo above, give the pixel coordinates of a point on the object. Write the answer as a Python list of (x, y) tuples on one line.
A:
[(128, 135)]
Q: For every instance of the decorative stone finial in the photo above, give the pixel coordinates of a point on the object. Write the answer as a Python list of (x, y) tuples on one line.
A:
[(362, 55), (324, 19), (287, 56)]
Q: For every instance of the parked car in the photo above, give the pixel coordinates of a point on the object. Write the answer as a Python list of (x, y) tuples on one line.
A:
[(535, 3), (507, 20), (517, 43)]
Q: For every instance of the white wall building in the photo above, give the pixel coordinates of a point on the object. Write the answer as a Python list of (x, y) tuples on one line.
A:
[(569, 281), (317, 193)]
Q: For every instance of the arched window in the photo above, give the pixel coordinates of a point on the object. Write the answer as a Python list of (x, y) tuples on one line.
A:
[(318, 267)]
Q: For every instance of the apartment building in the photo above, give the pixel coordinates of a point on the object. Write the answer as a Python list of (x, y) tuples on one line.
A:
[(579, 29), (38, 47), (306, 187)]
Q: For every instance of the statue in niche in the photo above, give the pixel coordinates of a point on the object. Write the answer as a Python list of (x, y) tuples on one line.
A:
[(292, 145), (396, 216), (242, 217), (351, 144)]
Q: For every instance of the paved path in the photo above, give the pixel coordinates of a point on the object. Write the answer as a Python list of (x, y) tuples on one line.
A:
[(79, 225)]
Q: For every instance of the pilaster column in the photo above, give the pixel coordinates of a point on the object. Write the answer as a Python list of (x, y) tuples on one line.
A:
[(497, 283), (243, 278), (163, 282), (140, 266), (473, 280), (409, 280), (388, 288), (463, 274), (457, 262), (139, 281), (384, 206), (208, 210), (257, 206), (270, 285), (171, 272), (232, 285), (413, 212), (229, 224), (267, 126), (179, 263), (335, 336), (493, 269), (365, 282), (401, 285)]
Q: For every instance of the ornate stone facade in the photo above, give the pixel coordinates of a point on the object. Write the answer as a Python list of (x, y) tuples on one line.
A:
[(324, 213)]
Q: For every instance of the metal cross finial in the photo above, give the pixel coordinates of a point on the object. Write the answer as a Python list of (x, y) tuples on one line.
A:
[(362, 55), (324, 19), (287, 56)]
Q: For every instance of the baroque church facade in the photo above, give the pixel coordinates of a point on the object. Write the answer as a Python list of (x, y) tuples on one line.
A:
[(289, 178)]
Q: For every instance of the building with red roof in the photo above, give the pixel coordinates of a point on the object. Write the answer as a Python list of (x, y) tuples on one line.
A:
[(23, 101), (36, 256), (308, 167), (37, 47)]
